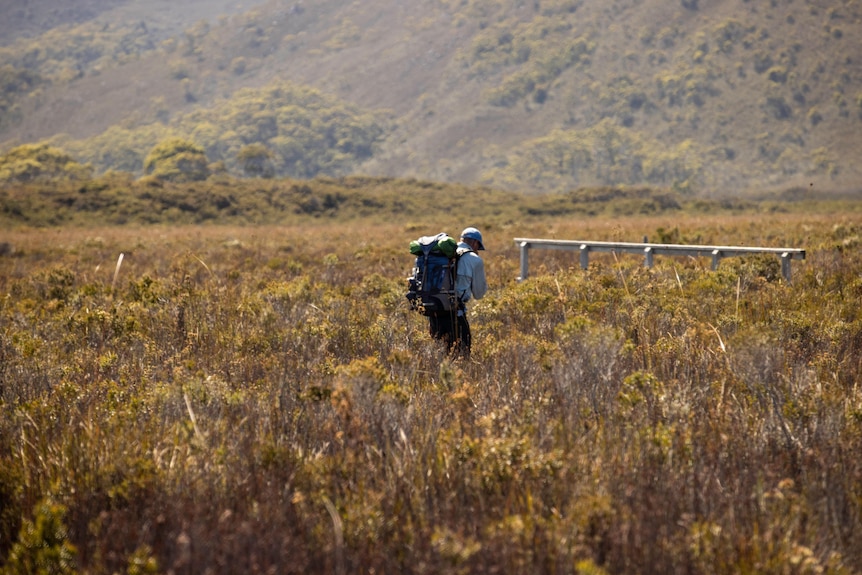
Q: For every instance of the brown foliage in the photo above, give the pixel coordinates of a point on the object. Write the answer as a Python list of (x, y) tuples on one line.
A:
[(250, 399)]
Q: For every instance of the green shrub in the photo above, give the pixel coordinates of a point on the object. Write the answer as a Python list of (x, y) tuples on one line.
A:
[(40, 162), (43, 547), (177, 160)]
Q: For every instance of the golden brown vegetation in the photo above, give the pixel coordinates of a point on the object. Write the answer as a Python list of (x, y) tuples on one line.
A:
[(260, 399)]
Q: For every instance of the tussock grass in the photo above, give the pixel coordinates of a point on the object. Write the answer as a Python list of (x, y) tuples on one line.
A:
[(260, 399)]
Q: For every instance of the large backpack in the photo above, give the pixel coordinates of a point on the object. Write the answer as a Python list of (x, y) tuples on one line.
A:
[(431, 287)]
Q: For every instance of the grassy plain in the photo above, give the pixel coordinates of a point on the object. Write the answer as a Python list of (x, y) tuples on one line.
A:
[(259, 399)]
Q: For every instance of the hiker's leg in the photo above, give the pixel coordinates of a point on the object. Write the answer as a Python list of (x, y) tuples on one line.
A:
[(443, 328), (465, 339), (452, 336), (434, 327)]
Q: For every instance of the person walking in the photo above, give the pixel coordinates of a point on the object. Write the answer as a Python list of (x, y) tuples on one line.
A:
[(453, 328)]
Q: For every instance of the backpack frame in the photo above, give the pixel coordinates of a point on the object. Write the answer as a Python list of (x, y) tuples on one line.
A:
[(431, 288)]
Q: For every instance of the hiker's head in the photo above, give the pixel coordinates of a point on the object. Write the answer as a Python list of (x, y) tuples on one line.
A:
[(473, 238)]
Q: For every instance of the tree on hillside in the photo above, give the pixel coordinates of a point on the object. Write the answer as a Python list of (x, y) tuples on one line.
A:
[(14, 84), (307, 132), (256, 161), (177, 160), (33, 162)]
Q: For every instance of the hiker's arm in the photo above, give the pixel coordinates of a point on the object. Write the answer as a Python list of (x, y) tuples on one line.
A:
[(479, 285)]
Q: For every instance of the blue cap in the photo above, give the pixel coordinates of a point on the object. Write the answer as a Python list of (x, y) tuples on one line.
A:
[(473, 234)]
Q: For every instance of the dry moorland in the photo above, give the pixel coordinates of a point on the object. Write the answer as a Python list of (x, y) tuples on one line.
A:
[(260, 399)]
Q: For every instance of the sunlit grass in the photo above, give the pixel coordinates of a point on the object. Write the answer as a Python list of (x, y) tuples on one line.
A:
[(254, 398)]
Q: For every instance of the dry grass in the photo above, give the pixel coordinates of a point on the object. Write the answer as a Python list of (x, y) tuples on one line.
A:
[(260, 399)]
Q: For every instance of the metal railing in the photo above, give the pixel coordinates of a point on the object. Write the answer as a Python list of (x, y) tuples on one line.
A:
[(649, 251)]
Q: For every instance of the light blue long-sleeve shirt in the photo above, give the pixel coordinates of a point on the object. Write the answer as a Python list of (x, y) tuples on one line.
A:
[(471, 281)]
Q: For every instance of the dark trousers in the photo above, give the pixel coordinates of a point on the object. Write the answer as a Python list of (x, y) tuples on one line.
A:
[(453, 330)]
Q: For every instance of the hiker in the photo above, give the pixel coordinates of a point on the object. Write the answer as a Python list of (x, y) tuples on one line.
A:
[(453, 327)]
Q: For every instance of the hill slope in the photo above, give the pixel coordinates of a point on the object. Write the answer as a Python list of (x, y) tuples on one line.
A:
[(722, 97)]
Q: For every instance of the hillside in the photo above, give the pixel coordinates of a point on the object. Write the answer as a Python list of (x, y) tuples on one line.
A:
[(729, 97)]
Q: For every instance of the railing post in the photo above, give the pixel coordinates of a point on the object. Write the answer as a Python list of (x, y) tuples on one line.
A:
[(585, 256), (524, 264), (786, 258), (716, 257), (648, 262)]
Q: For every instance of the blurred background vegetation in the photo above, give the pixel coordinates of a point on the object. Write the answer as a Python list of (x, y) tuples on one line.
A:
[(730, 97), (181, 188)]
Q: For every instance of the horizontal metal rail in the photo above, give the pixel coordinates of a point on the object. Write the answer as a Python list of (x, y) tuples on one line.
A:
[(649, 251)]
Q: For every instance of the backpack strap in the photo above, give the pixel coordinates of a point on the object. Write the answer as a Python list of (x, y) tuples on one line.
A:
[(460, 251)]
